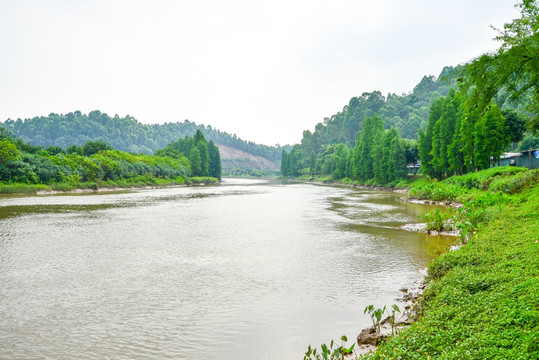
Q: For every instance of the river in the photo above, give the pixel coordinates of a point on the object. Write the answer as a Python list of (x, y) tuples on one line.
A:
[(248, 269)]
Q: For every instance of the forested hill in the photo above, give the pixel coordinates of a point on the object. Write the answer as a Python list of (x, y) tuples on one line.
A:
[(407, 113), (123, 133)]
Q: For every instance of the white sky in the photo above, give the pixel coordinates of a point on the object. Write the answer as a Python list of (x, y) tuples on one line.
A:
[(264, 70)]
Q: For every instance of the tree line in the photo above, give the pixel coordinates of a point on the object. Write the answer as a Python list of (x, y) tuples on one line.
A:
[(379, 156), (203, 155), (96, 162), (123, 133)]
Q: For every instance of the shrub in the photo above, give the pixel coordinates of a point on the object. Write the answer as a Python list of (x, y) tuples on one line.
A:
[(22, 188), (482, 179), (516, 183), (436, 191), (204, 180)]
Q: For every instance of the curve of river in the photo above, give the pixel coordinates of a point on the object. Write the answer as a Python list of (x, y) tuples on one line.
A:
[(248, 269)]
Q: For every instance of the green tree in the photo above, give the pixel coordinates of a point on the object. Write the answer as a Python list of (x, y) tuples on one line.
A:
[(196, 162), (516, 125), (202, 147), (373, 128), (467, 138), (426, 140), (397, 161), (491, 137), (312, 163), (93, 147), (8, 151), (284, 163), (215, 169)]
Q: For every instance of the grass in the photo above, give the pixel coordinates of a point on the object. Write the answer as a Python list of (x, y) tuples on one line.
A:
[(505, 179), (21, 188), (204, 180), (139, 181), (482, 301)]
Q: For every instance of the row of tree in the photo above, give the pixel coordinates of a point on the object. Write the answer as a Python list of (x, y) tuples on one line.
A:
[(469, 130), (379, 156), (407, 113), (459, 138), (96, 161), (203, 155)]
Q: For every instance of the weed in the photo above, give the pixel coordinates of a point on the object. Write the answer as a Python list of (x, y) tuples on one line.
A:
[(328, 352), (376, 315), (436, 221)]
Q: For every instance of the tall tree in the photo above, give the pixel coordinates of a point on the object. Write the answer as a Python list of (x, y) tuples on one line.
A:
[(312, 163), (215, 169), (196, 162), (284, 163), (202, 147), (491, 137), (426, 138)]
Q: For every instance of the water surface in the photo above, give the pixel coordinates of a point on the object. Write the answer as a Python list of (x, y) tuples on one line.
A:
[(249, 269)]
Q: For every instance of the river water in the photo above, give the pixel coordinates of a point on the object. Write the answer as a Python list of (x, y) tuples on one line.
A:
[(248, 269)]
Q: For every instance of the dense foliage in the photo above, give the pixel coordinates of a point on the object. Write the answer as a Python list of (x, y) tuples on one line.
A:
[(481, 301), (96, 164), (379, 157), (203, 155), (126, 134)]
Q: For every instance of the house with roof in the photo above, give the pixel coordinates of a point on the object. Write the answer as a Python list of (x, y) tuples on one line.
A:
[(527, 158)]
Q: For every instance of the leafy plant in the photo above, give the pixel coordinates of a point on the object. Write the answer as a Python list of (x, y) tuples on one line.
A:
[(376, 315), (436, 221), (393, 319), (329, 352)]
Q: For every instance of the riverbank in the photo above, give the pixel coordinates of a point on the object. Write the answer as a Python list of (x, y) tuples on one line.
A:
[(101, 186), (354, 184), (480, 302)]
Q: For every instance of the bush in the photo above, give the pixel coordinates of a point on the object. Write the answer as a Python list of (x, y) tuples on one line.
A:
[(436, 191), (204, 180), (482, 179), (89, 185), (22, 189), (62, 187), (516, 183)]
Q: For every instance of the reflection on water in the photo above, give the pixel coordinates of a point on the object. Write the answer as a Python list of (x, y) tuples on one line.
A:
[(249, 269)]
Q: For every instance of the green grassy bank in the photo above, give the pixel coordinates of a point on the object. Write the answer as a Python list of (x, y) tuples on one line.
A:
[(137, 182), (482, 301)]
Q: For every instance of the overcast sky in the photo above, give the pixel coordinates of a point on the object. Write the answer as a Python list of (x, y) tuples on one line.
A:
[(264, 70)]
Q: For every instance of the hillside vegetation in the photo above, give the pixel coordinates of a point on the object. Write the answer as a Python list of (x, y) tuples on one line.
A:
[(122, 133), (27, 169)]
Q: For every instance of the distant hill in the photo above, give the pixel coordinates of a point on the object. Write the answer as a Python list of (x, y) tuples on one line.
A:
[(233, 158), (127, 134)]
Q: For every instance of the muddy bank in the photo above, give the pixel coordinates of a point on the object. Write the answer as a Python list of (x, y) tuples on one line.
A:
[(422, 227), (452, 204)]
